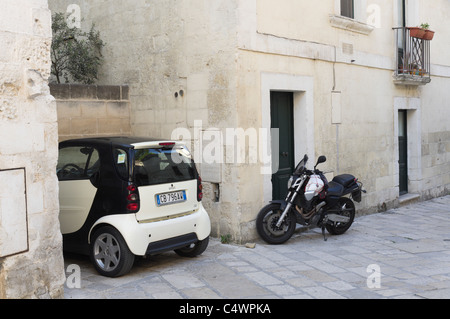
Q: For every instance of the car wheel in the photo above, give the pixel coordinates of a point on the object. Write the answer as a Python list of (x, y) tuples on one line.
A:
[(193, 250), (110, 253)]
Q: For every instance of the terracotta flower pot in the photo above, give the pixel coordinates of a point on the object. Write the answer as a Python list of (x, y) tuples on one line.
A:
[(416, 32), (429, 35)]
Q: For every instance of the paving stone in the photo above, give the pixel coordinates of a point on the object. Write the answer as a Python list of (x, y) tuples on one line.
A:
[(411, 246), (339, 285), (263, 278)]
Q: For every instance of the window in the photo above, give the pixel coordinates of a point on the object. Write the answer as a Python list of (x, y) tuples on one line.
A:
[(351, 15), (163, 165), (77, 163), (347, 9), (121, 161)]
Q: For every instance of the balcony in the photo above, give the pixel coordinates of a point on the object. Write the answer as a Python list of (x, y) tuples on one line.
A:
[(413, 59)]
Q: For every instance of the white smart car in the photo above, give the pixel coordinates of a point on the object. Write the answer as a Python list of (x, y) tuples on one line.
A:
[(122, 197)]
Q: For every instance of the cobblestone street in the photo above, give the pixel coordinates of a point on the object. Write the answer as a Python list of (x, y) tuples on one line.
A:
[(409, 246)]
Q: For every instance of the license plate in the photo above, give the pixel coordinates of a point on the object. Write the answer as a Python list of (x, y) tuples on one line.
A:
[(170, 198)]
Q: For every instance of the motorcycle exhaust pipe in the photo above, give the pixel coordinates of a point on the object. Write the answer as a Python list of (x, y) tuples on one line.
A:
[(338, 218), (288, 207), (319, 207), (310, 213)]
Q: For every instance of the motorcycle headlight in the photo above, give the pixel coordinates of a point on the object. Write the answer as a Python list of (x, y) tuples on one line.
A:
[(289, 183)]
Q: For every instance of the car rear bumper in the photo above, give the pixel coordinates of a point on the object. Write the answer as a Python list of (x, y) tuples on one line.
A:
[(171, 243), (162, 234)]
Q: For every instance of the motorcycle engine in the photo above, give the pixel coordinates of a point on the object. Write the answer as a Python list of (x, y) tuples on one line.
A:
[(314, 191), (306, 205)]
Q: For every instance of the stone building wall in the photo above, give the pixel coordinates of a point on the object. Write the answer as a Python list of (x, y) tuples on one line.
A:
[(179, 61), (210, 67), (91, 110), (31, 261)]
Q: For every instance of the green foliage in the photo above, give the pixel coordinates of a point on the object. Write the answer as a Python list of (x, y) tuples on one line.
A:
[(76, 55), (225, 239), (425, 26)]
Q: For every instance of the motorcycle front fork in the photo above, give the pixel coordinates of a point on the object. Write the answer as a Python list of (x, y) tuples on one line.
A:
[(283, 216)]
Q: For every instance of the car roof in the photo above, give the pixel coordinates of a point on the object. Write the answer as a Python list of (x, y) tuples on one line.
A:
[(124, 141)]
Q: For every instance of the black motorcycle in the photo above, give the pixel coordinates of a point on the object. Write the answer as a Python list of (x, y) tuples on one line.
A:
[(311, 201)]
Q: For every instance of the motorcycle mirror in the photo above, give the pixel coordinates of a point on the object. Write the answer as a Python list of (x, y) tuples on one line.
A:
[(322, 159)]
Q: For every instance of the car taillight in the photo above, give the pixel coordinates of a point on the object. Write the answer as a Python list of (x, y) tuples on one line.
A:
[(133, 207), (166, 143), (199, 189), (132, 198)]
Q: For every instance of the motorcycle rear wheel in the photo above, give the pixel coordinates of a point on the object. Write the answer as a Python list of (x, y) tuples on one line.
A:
[(347, 208), (266, 225)]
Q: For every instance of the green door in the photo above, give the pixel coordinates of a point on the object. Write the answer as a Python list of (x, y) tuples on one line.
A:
[(282, 117), (403, 151)]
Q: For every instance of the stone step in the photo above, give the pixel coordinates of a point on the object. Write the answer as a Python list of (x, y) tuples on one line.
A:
[(408, 199)]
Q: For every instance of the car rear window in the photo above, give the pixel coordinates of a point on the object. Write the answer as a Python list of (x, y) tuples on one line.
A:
[(163, 165)]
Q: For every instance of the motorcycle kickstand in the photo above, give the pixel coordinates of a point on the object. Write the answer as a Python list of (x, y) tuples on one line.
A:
[(323, 233), (325, 220)]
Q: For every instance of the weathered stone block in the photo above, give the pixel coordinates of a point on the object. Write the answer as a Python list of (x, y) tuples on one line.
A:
[(107, 92), (93, 109), (31, 137), (82, 91), (31, 263), (125, 92), (81, 126), (118, 109), (60, 91), (110, 126)]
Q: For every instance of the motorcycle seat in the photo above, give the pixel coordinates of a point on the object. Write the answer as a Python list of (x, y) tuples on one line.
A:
[(345, 180), (335, 189)]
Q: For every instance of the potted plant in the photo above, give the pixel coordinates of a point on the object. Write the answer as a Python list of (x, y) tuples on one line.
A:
[(429, 35), (416, 32), (414, 69), (421, 32)]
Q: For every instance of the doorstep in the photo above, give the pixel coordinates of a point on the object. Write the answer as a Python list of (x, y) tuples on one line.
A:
[(408, 199)]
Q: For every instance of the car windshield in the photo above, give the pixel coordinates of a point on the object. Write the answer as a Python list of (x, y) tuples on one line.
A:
[(163, 165)]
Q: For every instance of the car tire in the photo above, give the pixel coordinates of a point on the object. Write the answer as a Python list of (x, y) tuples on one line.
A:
[(110, 253), (193, 250)]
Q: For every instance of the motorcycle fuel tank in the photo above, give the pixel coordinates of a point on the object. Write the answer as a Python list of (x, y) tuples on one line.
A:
[(314, 186)]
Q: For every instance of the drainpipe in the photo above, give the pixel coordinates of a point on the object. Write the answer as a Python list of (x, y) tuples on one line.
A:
[(333, 91)]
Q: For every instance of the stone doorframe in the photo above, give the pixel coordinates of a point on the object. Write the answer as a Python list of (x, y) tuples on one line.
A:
[(413, 106), (303, 89)]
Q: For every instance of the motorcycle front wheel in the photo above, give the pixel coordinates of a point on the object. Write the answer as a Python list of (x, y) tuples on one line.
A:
[(266, 225)]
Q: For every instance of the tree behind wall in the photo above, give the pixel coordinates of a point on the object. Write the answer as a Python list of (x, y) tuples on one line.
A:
[(76, 55)]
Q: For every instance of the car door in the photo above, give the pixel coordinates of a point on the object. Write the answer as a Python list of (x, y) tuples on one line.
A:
[(76, 165)]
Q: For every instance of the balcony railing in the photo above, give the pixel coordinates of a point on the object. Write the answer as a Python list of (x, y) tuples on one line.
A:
[(413, 59)]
